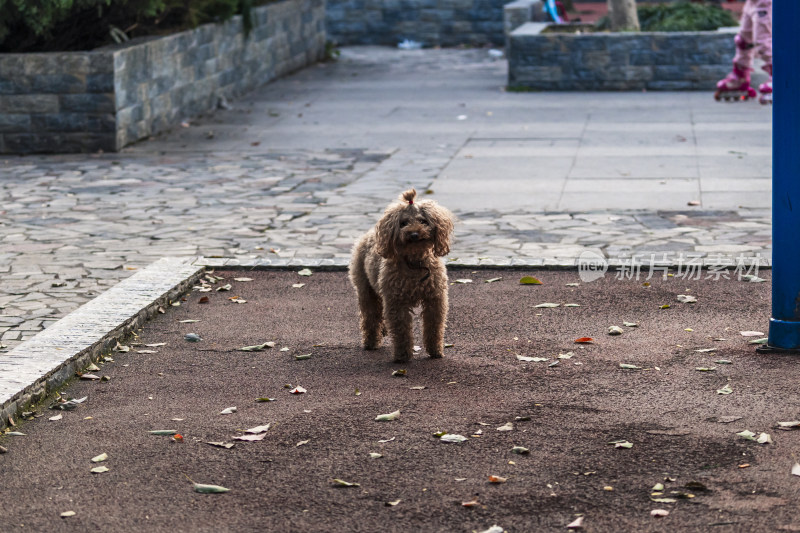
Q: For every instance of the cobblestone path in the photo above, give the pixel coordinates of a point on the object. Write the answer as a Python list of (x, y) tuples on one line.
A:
[(72, 226)]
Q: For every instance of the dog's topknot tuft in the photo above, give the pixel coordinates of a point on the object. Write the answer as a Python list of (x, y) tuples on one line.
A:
[(409, 196)]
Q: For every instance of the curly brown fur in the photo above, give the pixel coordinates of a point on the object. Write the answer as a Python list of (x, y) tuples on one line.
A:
[(397, 266)]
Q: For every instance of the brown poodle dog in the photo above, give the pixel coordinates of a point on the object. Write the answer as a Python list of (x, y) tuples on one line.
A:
[(395, 267)]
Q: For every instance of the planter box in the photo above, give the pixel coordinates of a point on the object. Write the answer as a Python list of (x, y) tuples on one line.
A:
[(617, 61), (107, 98)]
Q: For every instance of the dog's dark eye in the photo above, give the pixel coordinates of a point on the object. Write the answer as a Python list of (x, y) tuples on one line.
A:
[(403, 223), (424, 222)]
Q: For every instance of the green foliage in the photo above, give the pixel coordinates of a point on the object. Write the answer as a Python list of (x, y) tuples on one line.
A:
[(681, 15), (684, 16), (38, 16), (43, 25), (332, 52)]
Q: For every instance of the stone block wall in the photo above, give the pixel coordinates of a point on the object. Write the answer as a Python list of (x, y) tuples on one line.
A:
[(431, 22), (617, 61), (111, 97), (58, 102)]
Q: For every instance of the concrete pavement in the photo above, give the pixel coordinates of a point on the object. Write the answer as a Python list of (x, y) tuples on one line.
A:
[(298, 169)]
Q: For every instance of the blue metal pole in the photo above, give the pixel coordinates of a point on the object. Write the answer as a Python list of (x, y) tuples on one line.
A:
[(784, 327)]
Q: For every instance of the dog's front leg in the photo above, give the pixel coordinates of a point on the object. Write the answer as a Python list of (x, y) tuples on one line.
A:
[(399, 320), (434, 319), (371, 311)]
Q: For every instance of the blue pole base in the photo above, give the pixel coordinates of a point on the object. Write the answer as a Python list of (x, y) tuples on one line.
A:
[(784, 334)]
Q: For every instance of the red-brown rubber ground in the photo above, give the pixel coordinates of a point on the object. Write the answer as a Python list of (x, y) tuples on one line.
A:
[(667, 409)]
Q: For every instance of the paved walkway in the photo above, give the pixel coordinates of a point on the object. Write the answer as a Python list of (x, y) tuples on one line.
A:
[(300, 168)]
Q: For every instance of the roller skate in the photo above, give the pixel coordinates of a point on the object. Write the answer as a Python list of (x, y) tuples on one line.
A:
[(735, 86), (765, 89), (765, 93)]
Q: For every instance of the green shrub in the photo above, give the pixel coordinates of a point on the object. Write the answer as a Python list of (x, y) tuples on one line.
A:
[(60, 25), (684, 16), (679, 16)]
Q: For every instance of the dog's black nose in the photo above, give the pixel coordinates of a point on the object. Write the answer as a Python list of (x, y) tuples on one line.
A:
[(414, 236)]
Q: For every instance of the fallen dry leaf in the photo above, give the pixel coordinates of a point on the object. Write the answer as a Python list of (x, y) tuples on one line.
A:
[(452, 438), (531, 359), (250, 437), (576, 524), (258, 429), (257, 347), (725, 390), (394, 415), (342, 483), (226, 445), (209, 489)]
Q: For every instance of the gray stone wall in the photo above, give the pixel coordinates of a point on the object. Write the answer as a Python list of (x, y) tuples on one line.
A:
[(59, 102), (617, 61), (111, 97), (431, 22)]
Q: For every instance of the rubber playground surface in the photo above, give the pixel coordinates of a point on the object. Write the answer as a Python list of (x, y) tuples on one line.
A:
[(609, 430)]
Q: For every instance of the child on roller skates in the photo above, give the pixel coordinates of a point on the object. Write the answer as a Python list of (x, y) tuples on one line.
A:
[(754, 37)]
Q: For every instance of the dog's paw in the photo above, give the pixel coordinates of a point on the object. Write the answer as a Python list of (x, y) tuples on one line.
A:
[(402, 357), (436, 355)]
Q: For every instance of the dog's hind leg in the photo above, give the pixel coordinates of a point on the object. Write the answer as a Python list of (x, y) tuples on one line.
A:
[(371, 314), (434, 319), (400, 324)]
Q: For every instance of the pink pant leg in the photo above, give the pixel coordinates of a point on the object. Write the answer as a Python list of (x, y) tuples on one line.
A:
[(755, 34), (762, 30)]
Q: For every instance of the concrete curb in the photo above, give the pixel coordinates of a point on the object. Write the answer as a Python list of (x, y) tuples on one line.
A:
[(39, 366)]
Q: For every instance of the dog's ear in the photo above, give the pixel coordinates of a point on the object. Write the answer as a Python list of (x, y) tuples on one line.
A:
[(442, 221), (386, 234)]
